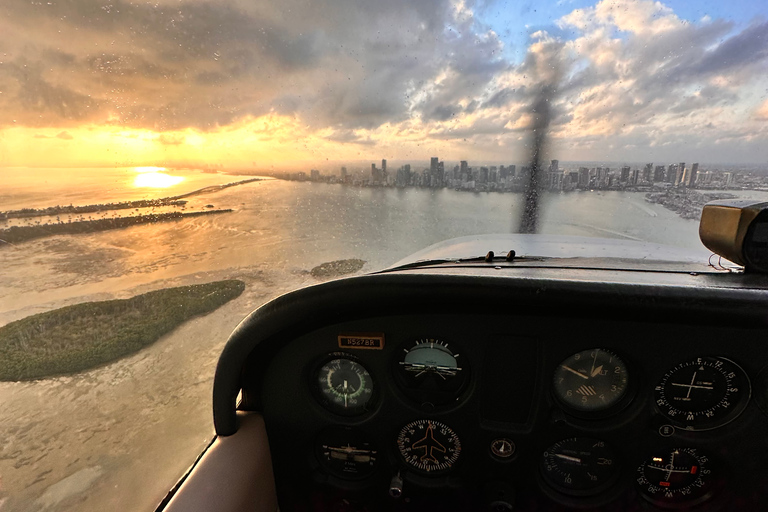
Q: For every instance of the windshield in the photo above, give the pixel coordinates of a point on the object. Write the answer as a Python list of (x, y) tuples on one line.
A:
[(149, 148)]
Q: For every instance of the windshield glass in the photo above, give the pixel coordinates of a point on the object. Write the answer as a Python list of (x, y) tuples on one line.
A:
[(147, 148)]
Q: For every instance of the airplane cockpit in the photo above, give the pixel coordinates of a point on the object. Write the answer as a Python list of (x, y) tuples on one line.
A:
[(627, 381)]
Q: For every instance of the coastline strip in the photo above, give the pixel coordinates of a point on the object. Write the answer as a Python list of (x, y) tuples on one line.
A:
[(17, 234), (141, 203)]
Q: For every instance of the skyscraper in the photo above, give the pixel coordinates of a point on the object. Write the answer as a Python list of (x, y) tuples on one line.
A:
[(693, 175), (625, 174), (648, 173), (671, 173)]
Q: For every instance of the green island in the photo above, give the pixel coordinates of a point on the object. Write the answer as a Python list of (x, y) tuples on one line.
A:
[(82, 336), (337, 268)]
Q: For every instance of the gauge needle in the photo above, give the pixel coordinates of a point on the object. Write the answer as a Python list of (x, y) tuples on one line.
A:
[(568, 458), (671, 466), (574, 371), (597, 370), (691, 385), (345, 393), (594, 361)]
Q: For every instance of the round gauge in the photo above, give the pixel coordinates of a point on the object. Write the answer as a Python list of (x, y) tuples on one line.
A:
[(347, 452), (579, 466), (704, 393), (344, 386), (591, 381), (429, 371), (429, 446), (680, 477)]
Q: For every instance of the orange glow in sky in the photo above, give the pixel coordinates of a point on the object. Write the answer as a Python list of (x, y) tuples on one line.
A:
[(149, 169)]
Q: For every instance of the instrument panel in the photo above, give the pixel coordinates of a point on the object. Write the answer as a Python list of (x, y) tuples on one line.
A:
[(517, 412)]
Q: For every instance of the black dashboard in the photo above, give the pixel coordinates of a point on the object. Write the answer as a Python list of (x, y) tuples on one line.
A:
[(510, 389)]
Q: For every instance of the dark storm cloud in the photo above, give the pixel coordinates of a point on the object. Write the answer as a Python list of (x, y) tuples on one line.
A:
[(747, 48), (36, 99), (203, 64), (349, 136)]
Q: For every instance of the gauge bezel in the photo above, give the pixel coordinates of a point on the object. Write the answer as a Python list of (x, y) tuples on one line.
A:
[(761, 390), (329, 406), (708, 487), (353, 431), (419, 396), (417, 470), (614, 409), (581, 493), (730, 415)]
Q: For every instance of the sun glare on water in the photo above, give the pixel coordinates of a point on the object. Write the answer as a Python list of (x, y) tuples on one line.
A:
[(152, 177)]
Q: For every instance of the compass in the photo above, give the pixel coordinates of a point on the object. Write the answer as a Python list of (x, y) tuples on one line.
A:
[(703, 393), (429, 446)]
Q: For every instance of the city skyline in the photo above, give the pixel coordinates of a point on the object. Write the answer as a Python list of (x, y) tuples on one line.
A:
[(553, 177)]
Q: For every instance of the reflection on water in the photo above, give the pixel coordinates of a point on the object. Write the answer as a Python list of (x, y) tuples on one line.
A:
[(150, 177)]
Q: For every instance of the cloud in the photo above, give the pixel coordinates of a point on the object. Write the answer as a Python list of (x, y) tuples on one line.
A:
[(761, 113), (627, 73), (64, 136), (168, 139), (204, 64), (352, 137)]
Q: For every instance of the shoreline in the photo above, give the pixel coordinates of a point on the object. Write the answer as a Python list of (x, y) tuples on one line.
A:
[(141, 203), (19, 234), (688, 204)]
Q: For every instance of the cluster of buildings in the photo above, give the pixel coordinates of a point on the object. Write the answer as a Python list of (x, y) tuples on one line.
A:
[(510, 178)]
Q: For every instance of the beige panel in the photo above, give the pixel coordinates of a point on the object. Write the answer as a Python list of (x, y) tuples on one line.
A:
[(235, 474)]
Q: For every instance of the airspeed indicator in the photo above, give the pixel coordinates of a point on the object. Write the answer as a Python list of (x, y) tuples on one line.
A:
[(344, 385)]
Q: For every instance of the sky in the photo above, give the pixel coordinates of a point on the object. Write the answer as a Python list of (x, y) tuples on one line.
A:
[(301, 82)]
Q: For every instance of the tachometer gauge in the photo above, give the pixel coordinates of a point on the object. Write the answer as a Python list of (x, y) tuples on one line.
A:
[(344, 386), (703, 393), (428, 371), (579, 466), (429, 446), (677, 478), (347, 452), (591, 381)]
